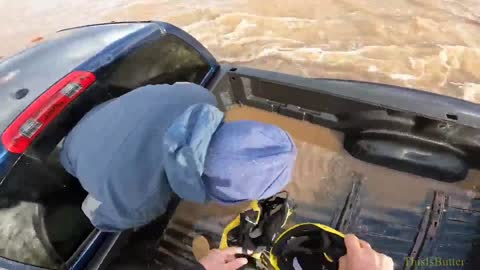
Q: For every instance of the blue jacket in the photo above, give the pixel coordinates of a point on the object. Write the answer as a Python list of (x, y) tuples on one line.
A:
[(133, 152), (116, 152)]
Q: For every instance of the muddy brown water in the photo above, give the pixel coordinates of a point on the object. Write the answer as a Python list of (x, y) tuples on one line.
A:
[(321, 156), (432, 45)]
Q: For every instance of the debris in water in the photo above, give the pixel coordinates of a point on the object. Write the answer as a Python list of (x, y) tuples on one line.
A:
[(37, 39)]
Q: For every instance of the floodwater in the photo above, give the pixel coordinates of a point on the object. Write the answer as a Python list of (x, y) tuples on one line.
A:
[(432, 45), (321, 156)]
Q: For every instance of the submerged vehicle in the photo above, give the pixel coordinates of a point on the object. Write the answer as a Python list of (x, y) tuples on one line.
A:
[(376, 160)]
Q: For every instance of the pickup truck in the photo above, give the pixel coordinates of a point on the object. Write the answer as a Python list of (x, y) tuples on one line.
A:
[(380, 161)]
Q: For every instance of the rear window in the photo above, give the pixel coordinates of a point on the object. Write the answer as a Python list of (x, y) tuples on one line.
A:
[(165, 60), (25, 76)]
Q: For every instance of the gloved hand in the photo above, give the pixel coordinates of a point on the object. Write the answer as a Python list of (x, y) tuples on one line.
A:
[(223, 259), (361, 256)]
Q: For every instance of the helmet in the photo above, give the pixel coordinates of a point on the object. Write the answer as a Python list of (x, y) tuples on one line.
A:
[(304, 246), (256, 228), (307, 246)]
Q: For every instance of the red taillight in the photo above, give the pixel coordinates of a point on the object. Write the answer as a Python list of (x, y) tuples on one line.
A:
[(28, 125)]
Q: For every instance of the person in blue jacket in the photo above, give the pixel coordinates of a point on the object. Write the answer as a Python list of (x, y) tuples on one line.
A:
[(132, 153)]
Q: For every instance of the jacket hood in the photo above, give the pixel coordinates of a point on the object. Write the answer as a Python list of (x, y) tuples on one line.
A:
[(207, 159), (186, 144), (248, 160)]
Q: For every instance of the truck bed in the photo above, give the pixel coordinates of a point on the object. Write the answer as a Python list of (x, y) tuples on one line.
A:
[(400, 214)]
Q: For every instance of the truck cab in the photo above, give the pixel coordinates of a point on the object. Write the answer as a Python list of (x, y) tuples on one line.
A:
[(45, 90)]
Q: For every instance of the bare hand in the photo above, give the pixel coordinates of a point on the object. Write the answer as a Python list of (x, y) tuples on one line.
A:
[(361, 256), (223, 259)]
